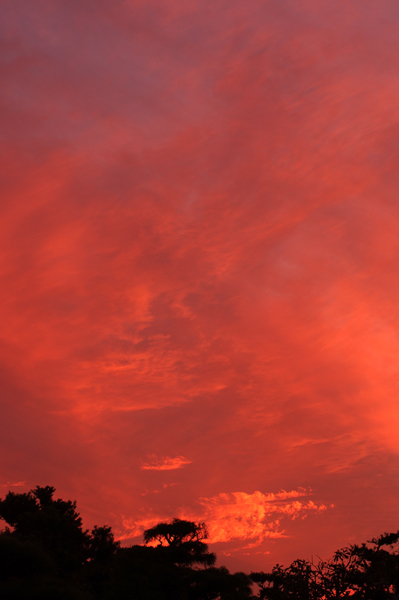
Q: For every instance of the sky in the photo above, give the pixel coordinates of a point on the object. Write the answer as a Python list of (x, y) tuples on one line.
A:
[(199, 252)]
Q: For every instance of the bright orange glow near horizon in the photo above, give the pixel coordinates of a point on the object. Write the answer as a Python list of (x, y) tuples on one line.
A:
[(199, 267)]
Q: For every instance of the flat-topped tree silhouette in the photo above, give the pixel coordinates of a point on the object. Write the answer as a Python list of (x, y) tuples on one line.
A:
[(183, 541), (175, 533)]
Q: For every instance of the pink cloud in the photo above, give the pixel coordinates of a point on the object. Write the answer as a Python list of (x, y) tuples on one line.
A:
[(17, 484), (198, 257), (257, 516), (165, 463), (237, 516)]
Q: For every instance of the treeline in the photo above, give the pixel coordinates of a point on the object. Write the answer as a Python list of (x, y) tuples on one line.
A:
[(45, 554)]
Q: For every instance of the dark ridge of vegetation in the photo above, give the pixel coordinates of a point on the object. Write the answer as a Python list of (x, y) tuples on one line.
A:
[(45, 554)]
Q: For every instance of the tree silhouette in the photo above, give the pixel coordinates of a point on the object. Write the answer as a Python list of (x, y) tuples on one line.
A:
[(369, 571), (45, 554), (51, 530), (176, 533), (183, 542), (55, 524)]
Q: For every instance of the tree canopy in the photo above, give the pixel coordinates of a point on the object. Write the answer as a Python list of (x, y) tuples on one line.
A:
[(45, 554), (369, 571), (184, 541)]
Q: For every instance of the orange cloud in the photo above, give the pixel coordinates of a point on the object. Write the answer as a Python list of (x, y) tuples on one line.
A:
[(17, 484), (202, 237), (238, 515), (166, 463), (256, 516)]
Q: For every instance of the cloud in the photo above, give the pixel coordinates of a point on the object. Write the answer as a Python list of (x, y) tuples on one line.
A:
[(17, 484), (166, 463), (198, 258), (257, 516), (238, 516)]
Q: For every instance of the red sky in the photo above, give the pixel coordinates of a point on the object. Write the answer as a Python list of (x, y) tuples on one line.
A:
[(199, 266)]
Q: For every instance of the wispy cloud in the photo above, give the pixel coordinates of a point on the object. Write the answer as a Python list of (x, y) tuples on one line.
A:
[(204, 240), (17, 484), (165, 463)]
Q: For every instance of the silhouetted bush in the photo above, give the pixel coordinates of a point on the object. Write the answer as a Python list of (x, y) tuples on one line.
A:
[(45, 554)]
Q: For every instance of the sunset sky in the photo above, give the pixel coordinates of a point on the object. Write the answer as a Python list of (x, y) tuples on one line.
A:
[(199, 271)]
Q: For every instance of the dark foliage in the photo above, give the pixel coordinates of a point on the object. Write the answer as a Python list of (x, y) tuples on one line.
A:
[(182, 542), (45, 554), (48, 554), (366, 572), (54, 524)]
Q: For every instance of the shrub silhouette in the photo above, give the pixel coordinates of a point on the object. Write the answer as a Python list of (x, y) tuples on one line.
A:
[(45, 554)]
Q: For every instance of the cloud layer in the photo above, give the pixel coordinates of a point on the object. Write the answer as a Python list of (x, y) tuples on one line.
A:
[(198, 258)]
